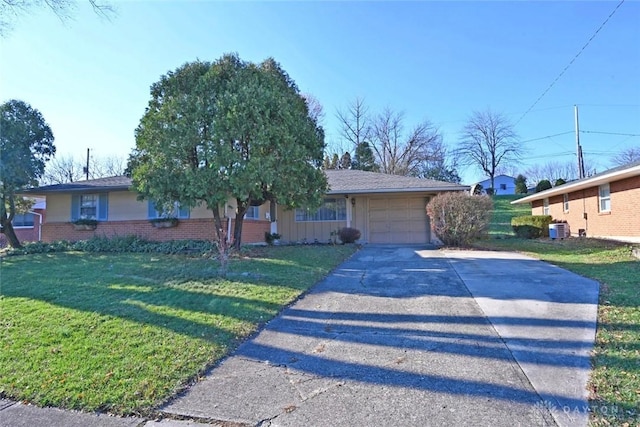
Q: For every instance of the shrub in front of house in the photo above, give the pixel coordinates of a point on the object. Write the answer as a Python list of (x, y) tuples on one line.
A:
[(118, 244), (531, 226), (349, 235), (458, 218)]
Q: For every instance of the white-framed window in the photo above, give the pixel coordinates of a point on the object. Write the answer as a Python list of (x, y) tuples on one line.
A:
[(545, 207), (332, 209), (604, 198), (565, 202), (253, 212), (176, 212), (23, 220), (89, 206)]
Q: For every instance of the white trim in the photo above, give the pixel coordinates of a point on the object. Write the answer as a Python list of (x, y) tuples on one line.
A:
[(583, 184), (39, 225), (602, 198)]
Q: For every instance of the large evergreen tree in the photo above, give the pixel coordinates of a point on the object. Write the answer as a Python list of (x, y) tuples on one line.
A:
[(228, 128), (26, 144), (364, 159)]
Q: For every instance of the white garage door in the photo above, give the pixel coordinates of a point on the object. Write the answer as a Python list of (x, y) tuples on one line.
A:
[(398, 220)]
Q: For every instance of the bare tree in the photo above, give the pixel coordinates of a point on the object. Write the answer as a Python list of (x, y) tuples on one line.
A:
[(355, 124), (65, 169), (551, 171), (63, 9), (626, 156), (62, 170), (316, 111), (100, 167), (398, 153), (488, 140)]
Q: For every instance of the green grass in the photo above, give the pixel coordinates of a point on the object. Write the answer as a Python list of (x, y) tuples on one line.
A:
[(503, 211), (121, 333), (615, 380)]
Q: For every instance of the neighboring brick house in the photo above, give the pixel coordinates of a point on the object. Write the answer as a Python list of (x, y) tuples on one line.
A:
[(385, 208), (27, 226), (605, 205)]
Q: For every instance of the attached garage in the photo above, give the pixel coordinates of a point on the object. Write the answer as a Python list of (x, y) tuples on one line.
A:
[(398, 220), (386, 209)]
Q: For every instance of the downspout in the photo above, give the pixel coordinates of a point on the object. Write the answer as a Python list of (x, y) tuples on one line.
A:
[(39, 225)]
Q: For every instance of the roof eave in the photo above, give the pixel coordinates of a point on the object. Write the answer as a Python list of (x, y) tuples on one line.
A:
[(100, 189), (399, 190), (581, 185)]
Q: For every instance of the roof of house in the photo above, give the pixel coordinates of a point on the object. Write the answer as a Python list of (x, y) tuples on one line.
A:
[(611, 175), (100, 184), (340, 182), (350, 181), (497, 176)]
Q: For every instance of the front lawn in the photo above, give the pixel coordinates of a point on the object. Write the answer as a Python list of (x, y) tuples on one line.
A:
[(121, 333), (615, 381)]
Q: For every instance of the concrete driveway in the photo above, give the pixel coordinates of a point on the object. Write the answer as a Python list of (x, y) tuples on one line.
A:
[(412, 337)]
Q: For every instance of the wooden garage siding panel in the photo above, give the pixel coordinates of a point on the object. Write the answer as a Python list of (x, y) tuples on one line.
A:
[(398, 220)]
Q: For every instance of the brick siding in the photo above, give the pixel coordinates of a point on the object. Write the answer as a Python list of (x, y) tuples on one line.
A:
[(187, 229), (621, 221), (26, 234)]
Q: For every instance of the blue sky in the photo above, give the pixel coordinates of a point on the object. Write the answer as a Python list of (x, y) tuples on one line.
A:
[(439, 61)]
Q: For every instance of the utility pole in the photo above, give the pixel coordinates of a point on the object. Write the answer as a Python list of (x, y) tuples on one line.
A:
[(578, 147), (86, 168)]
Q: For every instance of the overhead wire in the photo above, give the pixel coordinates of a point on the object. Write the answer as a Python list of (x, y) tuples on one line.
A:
[(609, 133), (570, 63)]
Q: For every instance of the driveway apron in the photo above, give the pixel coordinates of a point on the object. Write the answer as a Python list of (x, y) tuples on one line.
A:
[(394, 337)]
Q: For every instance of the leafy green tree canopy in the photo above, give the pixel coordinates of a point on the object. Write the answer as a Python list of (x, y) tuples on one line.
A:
[(26, 144), (228, 129), (521, 184), (543, 185)]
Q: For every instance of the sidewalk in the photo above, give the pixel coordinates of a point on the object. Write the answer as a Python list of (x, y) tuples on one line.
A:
[(401, 336)]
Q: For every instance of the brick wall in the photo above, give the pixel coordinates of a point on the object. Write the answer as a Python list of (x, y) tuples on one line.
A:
[(26, 234), (622, 221), (187, 229)]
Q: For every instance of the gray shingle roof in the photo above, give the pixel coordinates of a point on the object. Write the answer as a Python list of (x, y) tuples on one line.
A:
[(100, 184), (340, 182), (358, 182)]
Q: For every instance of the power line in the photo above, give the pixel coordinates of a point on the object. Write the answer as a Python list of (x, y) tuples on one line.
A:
[(545, 137), (611, 105), (609, 133), (570, 62), (548, 155)]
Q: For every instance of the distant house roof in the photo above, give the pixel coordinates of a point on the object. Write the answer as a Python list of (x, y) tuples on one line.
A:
[(497, 176), (360, 182), (611, 175), (340, 181)]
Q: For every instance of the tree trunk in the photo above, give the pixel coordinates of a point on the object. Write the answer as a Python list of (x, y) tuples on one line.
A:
[(237, 228), (7, 230), (217, 221)]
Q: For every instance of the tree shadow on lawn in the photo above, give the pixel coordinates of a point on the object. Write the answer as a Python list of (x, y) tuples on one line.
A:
[(130, 290)]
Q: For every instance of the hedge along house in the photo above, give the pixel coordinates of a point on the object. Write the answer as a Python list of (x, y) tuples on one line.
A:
[(385, 208), (118, 212), (604, 205)]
